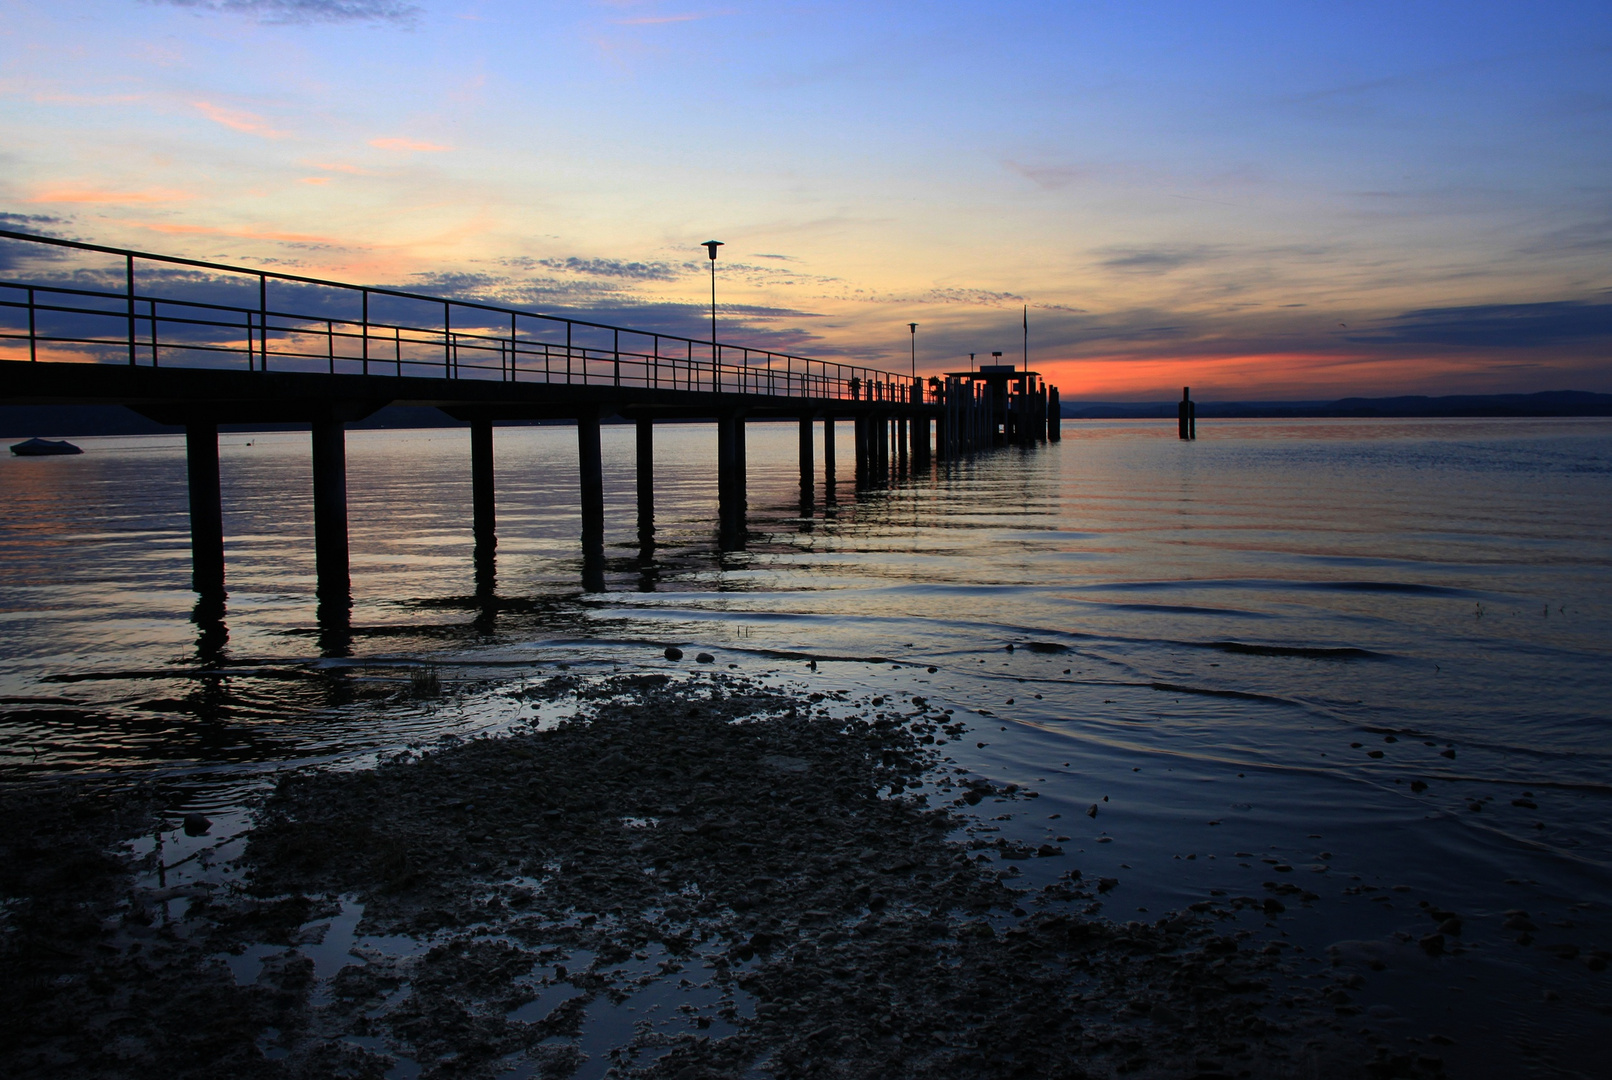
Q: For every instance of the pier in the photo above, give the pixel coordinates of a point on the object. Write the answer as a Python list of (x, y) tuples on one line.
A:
[(197, 345)]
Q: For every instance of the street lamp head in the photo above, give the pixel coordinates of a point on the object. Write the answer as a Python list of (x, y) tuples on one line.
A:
[(998, 352), (913, 327), (711, 246)]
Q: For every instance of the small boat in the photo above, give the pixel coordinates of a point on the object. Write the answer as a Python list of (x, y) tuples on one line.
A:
[(44, 448)]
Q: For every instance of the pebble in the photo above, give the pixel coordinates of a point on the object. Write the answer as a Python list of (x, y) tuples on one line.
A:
[(673, 653), (705, 658), (196, 825)]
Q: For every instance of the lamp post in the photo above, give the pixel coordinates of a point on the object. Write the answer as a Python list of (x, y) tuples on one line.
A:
[(912, 326), (970, 361), (711, 246)]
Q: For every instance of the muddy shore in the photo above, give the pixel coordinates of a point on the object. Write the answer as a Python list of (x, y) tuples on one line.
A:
[(690, 877)]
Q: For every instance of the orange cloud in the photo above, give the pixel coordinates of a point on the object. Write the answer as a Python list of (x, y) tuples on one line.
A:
[(236, 120), (336, 166), (100, 195), (409, 144), (245, 234), (314, 180)]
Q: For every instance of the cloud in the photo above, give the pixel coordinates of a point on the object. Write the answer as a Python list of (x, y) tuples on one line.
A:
[(307, 11), (412, 145), (236, 120), (101, 195), (1499, 326), (657, 20), (1156, 259), (1053, 177), (761, 255), (614, 268), (245, 234)]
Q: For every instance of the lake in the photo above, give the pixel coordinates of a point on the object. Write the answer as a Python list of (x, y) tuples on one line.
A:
[(1367, 657)]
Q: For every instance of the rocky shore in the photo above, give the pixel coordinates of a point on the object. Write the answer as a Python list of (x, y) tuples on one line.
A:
[(690, 877)]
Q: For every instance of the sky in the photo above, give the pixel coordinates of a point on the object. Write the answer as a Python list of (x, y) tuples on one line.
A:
[(1286, 200)]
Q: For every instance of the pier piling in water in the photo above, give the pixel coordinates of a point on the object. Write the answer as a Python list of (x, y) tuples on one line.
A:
[(645, 462), (590, 470), (808, 462), (484, 514), (1187, 415), (330, 507), (206, 508)]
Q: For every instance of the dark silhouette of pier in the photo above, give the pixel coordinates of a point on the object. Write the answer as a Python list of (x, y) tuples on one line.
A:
[(200, 344)]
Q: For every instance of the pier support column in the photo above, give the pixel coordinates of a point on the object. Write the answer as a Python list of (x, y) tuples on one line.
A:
[(1054, 416), (206, 509), (646, 480), (903, 455), (330, 509), (920, 444), (730, 471), (808, 463), (484, 515), (828, 459), (590, 473), (859, 448)]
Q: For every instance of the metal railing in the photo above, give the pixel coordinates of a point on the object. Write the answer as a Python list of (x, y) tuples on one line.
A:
[(105, 316)]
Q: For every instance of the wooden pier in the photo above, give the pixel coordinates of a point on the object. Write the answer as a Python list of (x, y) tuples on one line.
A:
[(198, 344)]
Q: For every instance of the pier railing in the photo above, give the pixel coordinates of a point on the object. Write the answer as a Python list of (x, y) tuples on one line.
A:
[(139, 308)]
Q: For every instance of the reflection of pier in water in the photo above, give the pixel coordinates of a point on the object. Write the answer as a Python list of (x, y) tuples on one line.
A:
[(200, 344)]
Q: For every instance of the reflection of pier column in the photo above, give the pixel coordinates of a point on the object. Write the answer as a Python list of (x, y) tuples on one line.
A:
[(590, 473), (730, 470), (808, 462), (484, 515), (646, 480), (330, 509), (828, 459), (206, 509)]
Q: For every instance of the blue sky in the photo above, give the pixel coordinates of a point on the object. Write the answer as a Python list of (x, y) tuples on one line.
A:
[(1264, 200)]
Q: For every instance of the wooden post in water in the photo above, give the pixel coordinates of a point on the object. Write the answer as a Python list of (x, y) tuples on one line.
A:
[(206, 508), (1185, 426), (730, 479), (484, 514), (808, 462), (590, 475), (828, 459), (330, 509), (1054, 416), (645, 461)]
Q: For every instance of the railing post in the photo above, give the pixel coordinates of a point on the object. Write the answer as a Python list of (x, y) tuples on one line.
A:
[(263, 319), (153, 304), (330, 345), (33, 336), (128, 281), (447, 340), (513, 355), (365, 293), (616, 347)]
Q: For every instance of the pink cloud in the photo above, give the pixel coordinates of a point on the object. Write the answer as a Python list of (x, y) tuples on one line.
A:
[(236, 120), (101, 195), (409, 145)]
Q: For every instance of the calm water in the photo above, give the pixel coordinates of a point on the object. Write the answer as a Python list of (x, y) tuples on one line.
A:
[(1217, 624)]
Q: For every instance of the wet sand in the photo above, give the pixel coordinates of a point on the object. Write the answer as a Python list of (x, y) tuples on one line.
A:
[(693, 876)]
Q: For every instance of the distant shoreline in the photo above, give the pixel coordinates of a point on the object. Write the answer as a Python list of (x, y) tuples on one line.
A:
[(27, 421)]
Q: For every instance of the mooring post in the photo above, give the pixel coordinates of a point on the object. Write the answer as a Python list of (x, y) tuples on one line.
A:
[(206, 508), (1192, 419), (590, 473), (646, 480), (1054, 416), (730, 479), (808, 461), (1181, 413), (828, 459), (330, 508), (484, 514)]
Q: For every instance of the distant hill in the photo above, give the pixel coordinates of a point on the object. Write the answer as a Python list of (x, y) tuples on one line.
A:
[(1547, 403)]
